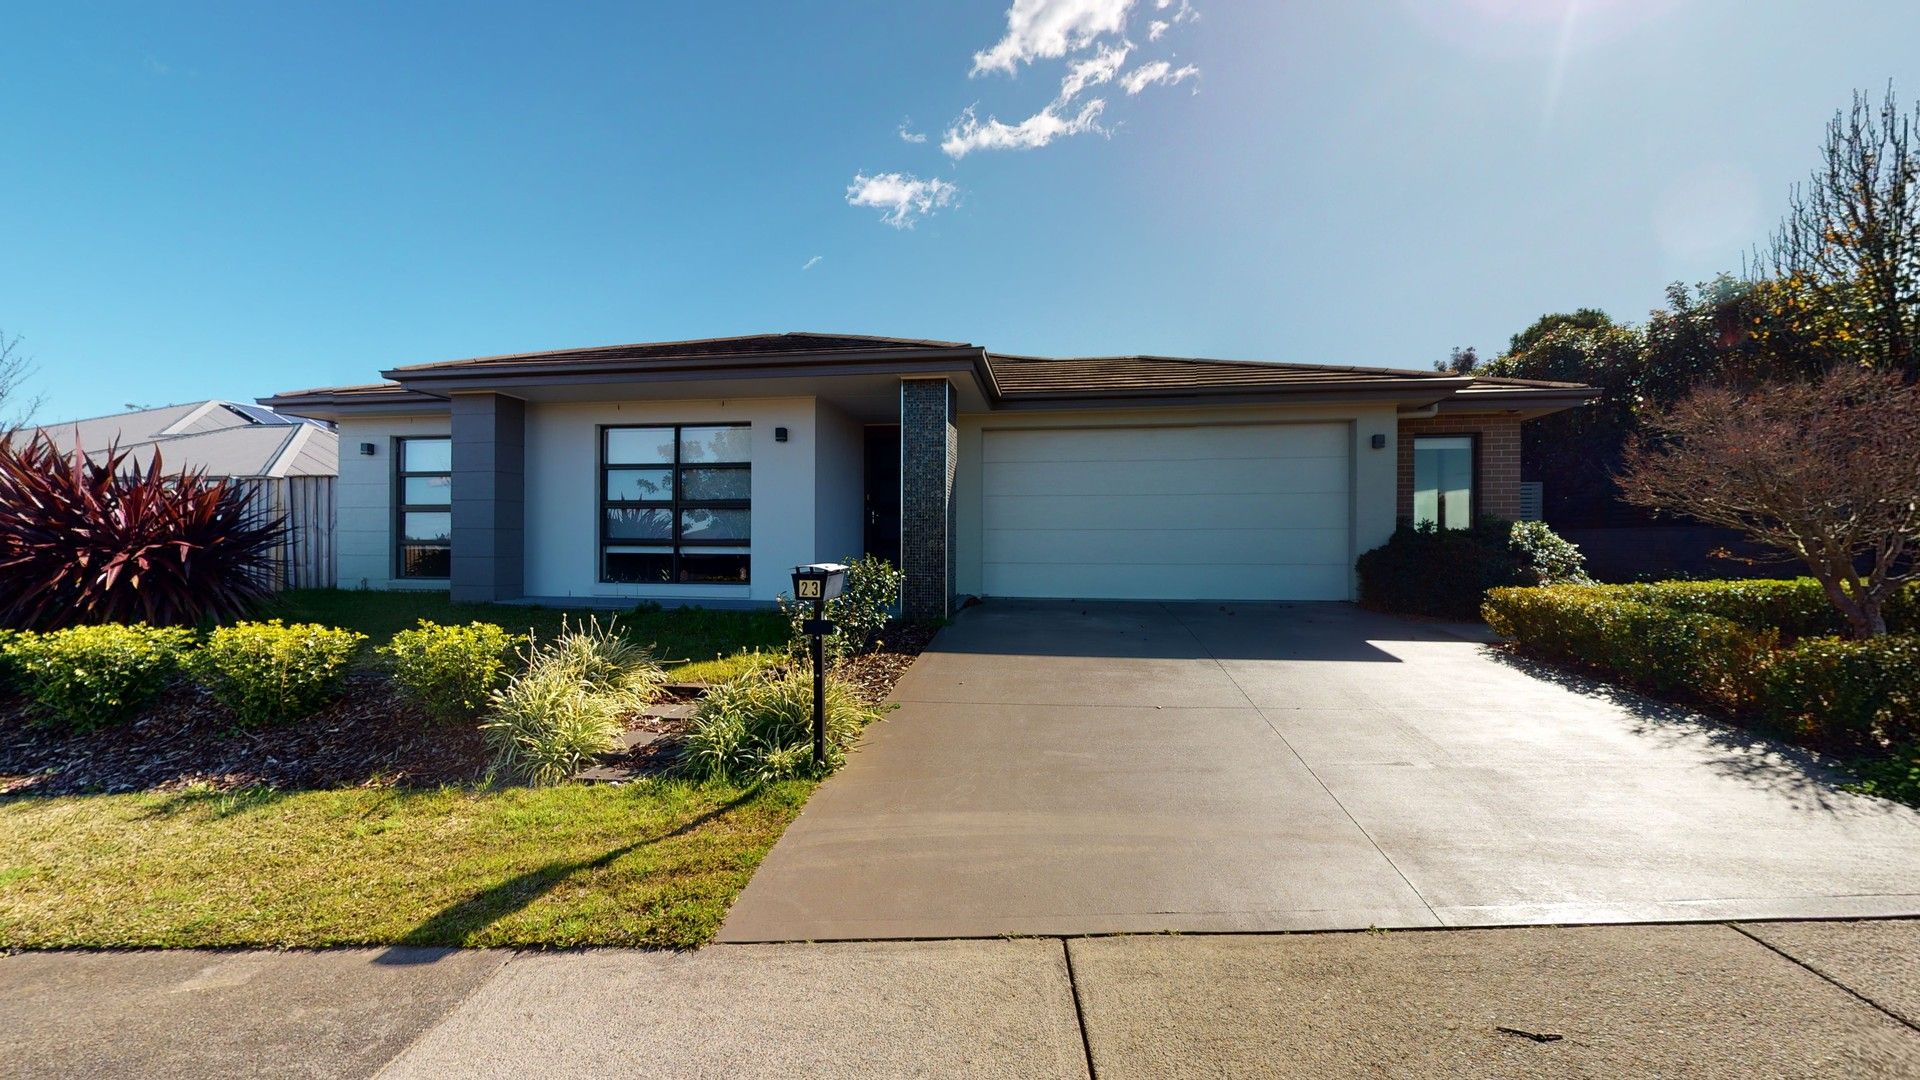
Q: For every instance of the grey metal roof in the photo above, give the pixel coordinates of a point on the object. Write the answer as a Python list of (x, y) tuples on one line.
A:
[(222, 438)]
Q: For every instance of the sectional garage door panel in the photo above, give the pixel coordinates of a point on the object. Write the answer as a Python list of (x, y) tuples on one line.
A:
[(1225, 512)]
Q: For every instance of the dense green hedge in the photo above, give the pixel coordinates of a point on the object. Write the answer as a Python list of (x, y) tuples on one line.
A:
[(1797, 608), (1819, 690), (1445, 573)]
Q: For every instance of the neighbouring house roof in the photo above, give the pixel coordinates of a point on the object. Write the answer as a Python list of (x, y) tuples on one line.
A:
[(222, 438), (1006, 380)]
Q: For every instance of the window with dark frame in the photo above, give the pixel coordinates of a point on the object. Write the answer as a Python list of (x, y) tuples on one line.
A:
[(423, 481), (1443, 480), (676, 503)]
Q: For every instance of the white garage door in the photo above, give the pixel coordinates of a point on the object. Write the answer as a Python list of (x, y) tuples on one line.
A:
[(1223, 512)]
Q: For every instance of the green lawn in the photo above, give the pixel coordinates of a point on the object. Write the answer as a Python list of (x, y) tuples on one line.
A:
[(651, 863), (687, 640)]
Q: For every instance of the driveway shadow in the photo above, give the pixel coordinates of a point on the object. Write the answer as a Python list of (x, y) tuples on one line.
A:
[(1815, 780)]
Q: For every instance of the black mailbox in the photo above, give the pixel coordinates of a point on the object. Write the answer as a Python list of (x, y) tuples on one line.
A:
[(819, 582)]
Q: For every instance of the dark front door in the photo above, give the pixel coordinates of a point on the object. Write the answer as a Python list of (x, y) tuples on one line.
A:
[(883, 492)]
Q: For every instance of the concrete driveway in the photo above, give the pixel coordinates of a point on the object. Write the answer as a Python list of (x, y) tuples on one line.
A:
[(1073, 768)]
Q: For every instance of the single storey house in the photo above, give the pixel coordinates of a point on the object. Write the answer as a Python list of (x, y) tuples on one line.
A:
[(703, 471)]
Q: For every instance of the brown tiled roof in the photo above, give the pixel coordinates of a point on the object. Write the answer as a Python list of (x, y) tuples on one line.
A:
[(1029, 376), (1013, 378), (746, 345)]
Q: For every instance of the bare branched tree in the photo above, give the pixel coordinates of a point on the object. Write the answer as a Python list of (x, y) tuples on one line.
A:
[(15, 368), (1827, 471), (1846, 258)]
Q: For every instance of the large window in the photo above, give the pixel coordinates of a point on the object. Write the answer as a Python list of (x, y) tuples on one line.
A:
[(1443, 481), (424, 479), (675, 503)]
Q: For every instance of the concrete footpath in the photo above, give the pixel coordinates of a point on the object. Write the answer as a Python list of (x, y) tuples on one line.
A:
[(1717, 999)]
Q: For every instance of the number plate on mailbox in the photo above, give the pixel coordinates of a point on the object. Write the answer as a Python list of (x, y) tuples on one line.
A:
[(808, 588)]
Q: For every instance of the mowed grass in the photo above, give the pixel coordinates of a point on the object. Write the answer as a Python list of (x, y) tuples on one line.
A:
[(654, 863), (687, 640)]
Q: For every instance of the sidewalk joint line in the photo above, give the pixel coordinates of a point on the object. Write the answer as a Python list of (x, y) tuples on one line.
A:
[(1079, 1010), (1771, 947)]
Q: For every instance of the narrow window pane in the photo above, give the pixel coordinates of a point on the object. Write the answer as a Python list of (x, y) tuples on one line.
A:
[(702, 524), (716, 444), (425, 561), (426, 455), (433, 526), (428, 491), (639, 485), (715, 485), (696, 565), (640, 446), (631, 524), (1443, 481), (635, 567)]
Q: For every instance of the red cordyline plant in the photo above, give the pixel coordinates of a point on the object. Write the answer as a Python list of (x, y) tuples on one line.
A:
[(85, 541)]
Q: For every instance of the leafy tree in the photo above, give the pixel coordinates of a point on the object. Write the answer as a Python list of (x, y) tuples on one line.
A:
[(1460, 362), (1575, 452), (1825, 470), (1843, 268)]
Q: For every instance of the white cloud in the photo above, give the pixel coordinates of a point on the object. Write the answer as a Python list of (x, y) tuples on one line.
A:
[(902, 197), (1157, 73), (970, 133), (1099, 68), (1156, 28), (1050, 28), (909, 135), (811, 263)]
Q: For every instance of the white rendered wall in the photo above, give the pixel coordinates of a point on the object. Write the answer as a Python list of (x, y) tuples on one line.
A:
[(840, 474), (563, 504), (363, 523)]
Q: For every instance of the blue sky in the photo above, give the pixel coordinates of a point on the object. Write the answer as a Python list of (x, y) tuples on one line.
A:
[(228, 200)]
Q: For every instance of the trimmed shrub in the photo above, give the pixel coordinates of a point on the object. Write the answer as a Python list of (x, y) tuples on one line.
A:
[(450, 671), (90, 676), (760, 728), (270, 672), (1668, 652), (859, 614), (1895, 776), (9, 678), (1445, 573), (570, 704), (103, 541), (1797, 608), (1546, 557), (1847, 694)]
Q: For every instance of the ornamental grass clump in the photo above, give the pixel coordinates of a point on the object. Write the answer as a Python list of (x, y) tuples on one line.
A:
[(570, 704), (89, 677), (270, 672), (759, 729), (450, 671)]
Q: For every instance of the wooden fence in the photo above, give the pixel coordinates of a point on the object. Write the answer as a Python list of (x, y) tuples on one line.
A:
[(305, 559)]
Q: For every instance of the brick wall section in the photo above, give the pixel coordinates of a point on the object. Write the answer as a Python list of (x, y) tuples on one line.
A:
[(489, 497), (929, 448), (1497, 482)]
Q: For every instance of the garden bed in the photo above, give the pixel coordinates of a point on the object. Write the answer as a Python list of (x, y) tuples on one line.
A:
[(366, 738)]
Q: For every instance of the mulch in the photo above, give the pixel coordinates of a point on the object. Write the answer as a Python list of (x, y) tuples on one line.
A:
[(367, 738)]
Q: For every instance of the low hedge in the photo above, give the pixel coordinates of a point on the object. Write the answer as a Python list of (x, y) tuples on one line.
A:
[(88, 677), (1669, 652), (269, 672), (1822, 691), (1797, 608), (1851, 693)]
